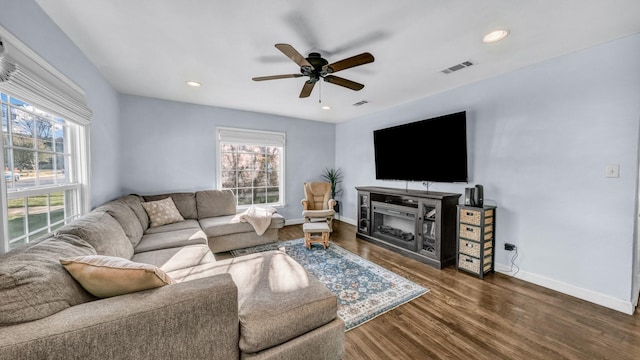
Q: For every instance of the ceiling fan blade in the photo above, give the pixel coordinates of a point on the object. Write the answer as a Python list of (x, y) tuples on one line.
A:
[(293, 54), (343, 82), (347, 63), (273, 77), (306, 88)]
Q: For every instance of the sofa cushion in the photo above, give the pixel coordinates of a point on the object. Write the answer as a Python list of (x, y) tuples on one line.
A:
[(223, 225), (182, 225), (34, 285), (277, 299), (171, 239), (101, 231), (185, 203), (135, 203), (127, 219), (176, 258), (107, 276), (162, 212), (215, 203)]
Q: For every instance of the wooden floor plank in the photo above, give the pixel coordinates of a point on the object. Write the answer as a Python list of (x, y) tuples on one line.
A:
[(500, 317)]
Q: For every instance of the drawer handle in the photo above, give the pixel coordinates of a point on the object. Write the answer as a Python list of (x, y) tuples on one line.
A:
[(469, 213), (469, 229), (469, 245), (468, 260)]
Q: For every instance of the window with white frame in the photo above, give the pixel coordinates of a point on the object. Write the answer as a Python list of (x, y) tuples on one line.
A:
[(39, 156), (251, 164), (44, 167)]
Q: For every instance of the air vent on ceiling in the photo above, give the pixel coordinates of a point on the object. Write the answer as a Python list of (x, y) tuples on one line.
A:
[(360, 103), (457, 67)]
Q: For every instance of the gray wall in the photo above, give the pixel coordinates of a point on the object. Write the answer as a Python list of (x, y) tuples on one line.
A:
[(539, 139), (26, 21), (171, 146)]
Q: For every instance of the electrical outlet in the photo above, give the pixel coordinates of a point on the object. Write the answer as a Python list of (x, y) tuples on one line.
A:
[(509, 247), (612, 171)]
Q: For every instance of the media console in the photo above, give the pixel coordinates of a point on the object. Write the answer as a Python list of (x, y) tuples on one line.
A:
[(418, 224)]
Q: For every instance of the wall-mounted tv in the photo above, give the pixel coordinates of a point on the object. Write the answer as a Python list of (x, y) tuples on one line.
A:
[(433, 150)]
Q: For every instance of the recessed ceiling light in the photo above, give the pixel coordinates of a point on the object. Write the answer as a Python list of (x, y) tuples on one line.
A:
[(325, 107), (496, 35), (194, 83)]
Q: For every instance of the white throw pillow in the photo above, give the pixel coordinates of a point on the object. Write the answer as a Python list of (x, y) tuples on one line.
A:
[(106, 276)]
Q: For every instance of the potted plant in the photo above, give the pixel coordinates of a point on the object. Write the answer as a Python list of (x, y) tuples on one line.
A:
[(333, 176)]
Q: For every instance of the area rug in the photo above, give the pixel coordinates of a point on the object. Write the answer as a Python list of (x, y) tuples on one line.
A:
[(364, 289)]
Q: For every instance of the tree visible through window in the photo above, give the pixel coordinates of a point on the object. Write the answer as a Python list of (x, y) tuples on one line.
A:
[(251, 166)]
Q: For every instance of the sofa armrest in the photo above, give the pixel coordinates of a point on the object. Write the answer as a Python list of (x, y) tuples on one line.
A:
[(196, 319)]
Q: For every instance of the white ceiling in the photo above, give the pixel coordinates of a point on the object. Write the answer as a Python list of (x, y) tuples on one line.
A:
[(152, 47)]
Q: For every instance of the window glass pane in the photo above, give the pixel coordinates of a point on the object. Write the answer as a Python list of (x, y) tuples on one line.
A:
[(229, 180), (38, 212), (273, 195), (245, 196), (58, 135), (44, 135), (57, 206), (60, 173), (272, 178), (22, 128), (245, 178), (5, 125), (17, 216), (245, 161), (24, 160), (260, 196), (229, 160)]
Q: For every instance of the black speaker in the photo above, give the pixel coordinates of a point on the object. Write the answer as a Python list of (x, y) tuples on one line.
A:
[(479, 196), (469, 196)]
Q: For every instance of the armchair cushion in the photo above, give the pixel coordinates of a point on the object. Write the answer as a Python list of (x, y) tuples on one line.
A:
[(317, 195), (318, 213)]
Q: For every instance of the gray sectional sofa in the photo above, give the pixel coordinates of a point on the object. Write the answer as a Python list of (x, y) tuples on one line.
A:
[(258, 306)]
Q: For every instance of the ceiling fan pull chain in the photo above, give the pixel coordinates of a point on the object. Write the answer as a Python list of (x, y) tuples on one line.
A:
[(320, 93)]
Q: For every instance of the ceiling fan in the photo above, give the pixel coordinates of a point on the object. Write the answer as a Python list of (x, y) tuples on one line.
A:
[(316, 68)]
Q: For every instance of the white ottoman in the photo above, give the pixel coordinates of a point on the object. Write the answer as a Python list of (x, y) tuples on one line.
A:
[(310, 234)]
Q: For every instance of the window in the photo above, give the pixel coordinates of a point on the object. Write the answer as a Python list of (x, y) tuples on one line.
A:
[(44, 167), (251, 164), (42, 188)]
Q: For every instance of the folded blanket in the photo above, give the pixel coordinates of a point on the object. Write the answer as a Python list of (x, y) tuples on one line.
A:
[(259, 217)]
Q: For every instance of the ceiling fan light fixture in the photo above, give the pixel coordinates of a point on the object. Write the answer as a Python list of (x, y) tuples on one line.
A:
[(194, 83), (495, 36)]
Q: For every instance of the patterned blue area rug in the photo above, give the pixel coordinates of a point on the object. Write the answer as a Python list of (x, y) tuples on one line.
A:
[(364, 289)]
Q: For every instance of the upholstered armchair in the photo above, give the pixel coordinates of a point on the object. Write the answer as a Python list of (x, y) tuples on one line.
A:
[(318, 204)]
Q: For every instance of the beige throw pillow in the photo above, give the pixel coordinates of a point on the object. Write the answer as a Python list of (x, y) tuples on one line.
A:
[(162, 212), (106, 276)]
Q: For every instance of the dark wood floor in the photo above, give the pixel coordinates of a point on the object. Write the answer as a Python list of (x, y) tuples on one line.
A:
[(463, 317)]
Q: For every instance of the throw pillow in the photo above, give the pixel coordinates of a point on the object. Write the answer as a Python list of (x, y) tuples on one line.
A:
[(106, 276), (162, 212)]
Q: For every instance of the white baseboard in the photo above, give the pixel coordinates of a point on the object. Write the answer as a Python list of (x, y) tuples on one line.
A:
[(301, 221), (578, 292)]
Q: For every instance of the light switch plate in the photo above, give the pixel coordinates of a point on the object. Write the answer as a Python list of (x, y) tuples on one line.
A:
[(612, 171)]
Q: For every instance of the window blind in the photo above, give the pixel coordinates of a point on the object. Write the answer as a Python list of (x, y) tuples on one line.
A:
[(254, 137), (24, 74)]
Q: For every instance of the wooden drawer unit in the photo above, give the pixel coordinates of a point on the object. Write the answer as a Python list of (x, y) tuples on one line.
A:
[(476, 239)]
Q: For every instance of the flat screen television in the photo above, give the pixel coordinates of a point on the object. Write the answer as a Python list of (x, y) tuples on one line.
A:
[(433, 150)]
